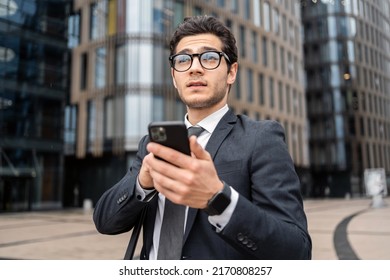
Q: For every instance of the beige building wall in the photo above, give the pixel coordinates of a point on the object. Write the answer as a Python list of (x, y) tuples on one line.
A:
[(284, 67)]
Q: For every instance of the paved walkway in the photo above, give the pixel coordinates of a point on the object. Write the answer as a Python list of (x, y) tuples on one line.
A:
[(340, 229)]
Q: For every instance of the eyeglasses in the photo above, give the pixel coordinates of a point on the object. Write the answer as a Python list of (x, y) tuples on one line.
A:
[(208, 60)]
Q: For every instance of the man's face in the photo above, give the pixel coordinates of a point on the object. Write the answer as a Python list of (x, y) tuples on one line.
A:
[(200, 88)]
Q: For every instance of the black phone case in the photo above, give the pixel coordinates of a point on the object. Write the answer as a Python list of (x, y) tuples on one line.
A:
[(176, 135)]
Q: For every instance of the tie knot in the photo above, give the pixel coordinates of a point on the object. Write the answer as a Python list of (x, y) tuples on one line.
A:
[(195, 130)]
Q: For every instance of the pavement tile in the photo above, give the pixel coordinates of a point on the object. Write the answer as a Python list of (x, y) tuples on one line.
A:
[(71, 235)]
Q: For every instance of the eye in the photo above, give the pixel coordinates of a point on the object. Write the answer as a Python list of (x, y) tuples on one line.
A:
[(182, 59), (210, 57)]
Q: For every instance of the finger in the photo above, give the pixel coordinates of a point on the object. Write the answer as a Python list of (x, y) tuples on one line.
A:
[(185, 174), (168, 154), (144, 177), (177, 192), (197, 149), (170, 188)]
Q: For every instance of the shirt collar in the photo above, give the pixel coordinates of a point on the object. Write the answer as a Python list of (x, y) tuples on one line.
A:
[(211, 121)]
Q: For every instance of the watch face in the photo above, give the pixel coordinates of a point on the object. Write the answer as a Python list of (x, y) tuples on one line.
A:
[(219, 202)]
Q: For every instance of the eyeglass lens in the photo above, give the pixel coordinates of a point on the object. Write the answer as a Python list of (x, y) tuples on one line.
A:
[(208, 60)]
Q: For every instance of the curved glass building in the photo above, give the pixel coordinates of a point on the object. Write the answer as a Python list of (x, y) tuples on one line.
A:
[(347, 65), (34, 85)]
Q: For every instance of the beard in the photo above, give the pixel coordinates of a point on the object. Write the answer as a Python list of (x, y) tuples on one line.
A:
[(203, 103)]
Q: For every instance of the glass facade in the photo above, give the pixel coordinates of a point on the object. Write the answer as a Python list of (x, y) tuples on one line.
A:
[(347, 76), (34, 79)]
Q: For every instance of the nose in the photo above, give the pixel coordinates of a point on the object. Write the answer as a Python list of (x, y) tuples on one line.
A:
[(196, 67)]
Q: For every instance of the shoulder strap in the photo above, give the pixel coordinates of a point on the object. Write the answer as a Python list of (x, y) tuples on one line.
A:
[(135, 235), (137, 229)]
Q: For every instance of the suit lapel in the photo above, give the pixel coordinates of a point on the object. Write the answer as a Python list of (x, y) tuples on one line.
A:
[(222, 130)]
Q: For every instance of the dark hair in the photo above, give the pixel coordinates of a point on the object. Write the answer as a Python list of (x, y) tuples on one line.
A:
[(202, 25)]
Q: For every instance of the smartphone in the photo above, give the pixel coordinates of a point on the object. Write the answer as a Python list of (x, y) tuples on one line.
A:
[(172, 134)]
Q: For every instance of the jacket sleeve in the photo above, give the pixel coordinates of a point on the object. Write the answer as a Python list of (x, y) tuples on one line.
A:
[(270, 223), (118, 208)]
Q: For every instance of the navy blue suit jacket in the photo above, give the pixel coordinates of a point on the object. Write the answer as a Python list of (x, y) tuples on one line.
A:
[(268, 222)]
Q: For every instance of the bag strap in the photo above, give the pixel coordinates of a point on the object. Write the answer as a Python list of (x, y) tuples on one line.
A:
[(137, 229), (134, 236)]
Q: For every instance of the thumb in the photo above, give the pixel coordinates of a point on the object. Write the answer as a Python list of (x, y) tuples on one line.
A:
[(197, 149)]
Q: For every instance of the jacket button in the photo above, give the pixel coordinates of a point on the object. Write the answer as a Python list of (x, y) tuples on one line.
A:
[(240, 237)]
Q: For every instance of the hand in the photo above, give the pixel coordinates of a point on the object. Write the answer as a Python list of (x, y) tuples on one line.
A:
[(144, 177), (187, 180)]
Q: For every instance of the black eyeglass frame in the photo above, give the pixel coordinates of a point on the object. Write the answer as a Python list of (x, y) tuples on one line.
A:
[(221, 54)]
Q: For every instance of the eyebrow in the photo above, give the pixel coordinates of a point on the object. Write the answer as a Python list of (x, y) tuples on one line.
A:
[(203, 49)]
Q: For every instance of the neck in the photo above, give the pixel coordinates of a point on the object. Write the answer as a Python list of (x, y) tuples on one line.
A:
[(195, 115)]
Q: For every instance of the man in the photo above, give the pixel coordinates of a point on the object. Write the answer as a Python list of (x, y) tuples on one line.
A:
[(239, 188)]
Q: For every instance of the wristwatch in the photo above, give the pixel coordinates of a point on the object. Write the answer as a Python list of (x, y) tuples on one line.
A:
[(219, 202)]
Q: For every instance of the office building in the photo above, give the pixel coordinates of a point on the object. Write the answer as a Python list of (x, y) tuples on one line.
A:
[(347, 64), (34, 84)]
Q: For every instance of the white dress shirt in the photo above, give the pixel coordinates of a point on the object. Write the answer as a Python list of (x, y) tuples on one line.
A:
[(219, 221)]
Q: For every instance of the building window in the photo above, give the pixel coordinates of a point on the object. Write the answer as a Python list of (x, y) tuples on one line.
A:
[(70, 127), (254, 46), (198, 11), (275, 56), (282, 62), (158, 107), (261, 89), (98, 20), (256, 13), (247, 9), (91, 130), (100, 67), (295, 102), (250, 85), (242, 41), (120, 64), (221, 3), (288, 99), (280, 90), (271, 93), (267, 16), (74, 30), (83, 71), (265, 51), (291, 32), (234, 6), (275, 17), (178, 14), (290, 65), (109, 122), (284, 27)]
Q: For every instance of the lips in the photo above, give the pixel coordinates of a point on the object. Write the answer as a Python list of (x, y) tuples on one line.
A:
[(196, 84)]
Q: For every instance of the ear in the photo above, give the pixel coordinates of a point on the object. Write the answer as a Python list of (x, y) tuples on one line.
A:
[(173, 77), (232, 73)]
